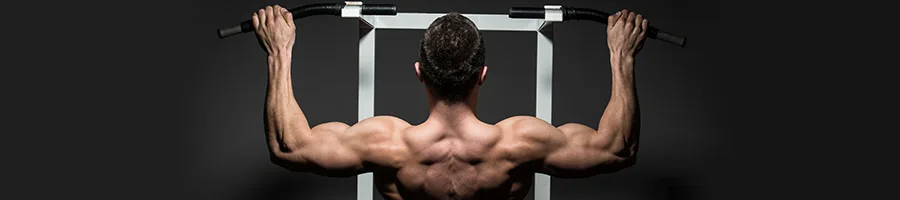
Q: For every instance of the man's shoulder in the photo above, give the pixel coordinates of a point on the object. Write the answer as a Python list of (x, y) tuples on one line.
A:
[(385, 123), (527, 137), (526, 127), (521, 121)]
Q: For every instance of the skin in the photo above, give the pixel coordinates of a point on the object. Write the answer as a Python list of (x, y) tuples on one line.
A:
[(452, 155)]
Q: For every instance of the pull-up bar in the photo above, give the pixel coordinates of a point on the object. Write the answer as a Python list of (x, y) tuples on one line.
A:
[(384, 16), (355, 9)]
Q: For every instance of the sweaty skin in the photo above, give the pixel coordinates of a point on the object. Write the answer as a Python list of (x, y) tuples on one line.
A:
[(452, 155)]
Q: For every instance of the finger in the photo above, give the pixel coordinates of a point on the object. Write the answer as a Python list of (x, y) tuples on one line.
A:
[(289, 18), (269, 16), (611, 20), (255, 20), (262, 17), (277, 12), (644, 25), (637, 24), (643, 34), (622, 17), (629, 23)]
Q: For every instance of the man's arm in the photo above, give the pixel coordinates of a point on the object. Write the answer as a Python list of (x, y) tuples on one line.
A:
[(330, 149), (575, 150)]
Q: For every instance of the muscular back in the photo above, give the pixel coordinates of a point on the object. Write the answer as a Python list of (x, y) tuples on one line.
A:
[(468, 160)]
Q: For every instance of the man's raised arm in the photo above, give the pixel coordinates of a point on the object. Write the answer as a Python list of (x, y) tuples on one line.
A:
[(575, 150), (330, 149)]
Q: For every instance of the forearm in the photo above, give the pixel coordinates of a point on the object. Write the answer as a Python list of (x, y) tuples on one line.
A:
[(285, 122), (621, 119)]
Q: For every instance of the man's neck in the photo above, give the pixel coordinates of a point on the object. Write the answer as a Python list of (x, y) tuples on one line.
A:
[(450, 114)]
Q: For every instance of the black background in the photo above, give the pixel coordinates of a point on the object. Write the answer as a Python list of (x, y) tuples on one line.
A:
[(139, 100)]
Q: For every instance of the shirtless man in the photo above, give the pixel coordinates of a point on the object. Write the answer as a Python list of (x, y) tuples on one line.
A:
[(452, 155)]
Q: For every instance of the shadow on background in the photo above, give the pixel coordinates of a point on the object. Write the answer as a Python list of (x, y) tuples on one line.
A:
[(672, 188)]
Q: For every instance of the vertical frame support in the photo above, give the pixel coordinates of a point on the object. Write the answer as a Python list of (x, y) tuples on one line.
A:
[(368, 25), (366, 101), (544, 96)]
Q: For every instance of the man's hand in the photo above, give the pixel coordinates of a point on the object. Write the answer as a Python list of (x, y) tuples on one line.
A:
[(275, 30), (626, 32)]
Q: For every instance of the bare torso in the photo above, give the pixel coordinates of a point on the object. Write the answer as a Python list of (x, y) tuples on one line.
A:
[(470, 160)]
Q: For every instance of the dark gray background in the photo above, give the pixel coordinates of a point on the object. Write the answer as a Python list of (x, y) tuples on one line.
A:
[(224, 154), (139, 100)]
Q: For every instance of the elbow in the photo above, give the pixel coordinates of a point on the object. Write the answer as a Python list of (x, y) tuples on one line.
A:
[(282, 161), (624, 160), (627, 162), (626, 157), (620, 164), (284, 155), (277, 160)]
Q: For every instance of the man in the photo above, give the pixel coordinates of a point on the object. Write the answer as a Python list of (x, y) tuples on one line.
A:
[(452, 155)]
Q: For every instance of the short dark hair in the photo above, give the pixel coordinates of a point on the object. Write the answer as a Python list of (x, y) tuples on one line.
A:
[(451, 56)]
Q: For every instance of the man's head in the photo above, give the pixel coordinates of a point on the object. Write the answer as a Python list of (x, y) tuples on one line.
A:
[(451, 62)]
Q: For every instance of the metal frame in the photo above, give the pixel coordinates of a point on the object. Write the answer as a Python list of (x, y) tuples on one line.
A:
[(369, 24)]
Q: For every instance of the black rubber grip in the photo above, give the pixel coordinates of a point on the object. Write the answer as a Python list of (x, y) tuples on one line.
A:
[(653, 32), (378, 9), (245, 26), (526, 12)]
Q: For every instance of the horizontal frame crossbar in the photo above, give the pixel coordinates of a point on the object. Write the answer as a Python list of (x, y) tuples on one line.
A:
[(484, 22)]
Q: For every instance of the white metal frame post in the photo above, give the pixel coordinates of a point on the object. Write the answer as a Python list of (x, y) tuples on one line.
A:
[(370, 24)]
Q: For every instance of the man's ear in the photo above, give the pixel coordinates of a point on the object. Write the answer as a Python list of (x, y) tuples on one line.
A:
[(418, 72), (483, 75)]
